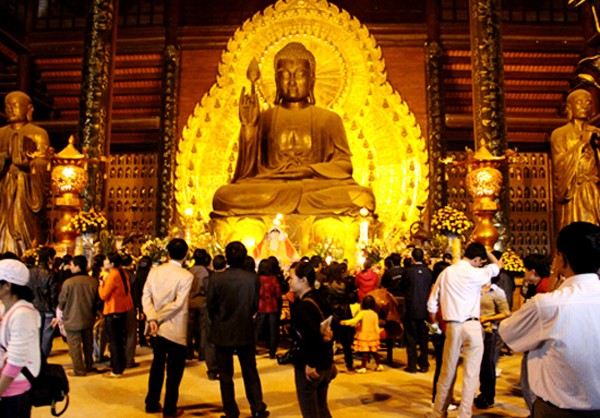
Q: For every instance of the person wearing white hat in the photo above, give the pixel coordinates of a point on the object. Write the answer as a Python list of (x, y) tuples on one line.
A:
[(19, 340)]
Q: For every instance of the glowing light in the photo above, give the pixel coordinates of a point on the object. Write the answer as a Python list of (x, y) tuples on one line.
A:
[(389, 153), (249, 242), (328, 259), (364, 212)]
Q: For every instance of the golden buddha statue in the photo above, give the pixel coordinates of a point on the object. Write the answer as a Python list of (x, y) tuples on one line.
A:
[(24, 177), (575, 149), (293, 157)]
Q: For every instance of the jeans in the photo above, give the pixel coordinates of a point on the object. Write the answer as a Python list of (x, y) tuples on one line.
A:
[(247, 358), (312, 394), (18, 406), (272, 320), (116, 327), (76, 340), (173, 355), (46, 333)]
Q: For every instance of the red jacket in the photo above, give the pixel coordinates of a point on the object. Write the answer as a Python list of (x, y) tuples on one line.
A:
[(366, 281), (270, 294)]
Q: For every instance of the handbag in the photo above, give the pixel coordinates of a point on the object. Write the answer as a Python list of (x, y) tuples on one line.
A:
[(50, 386)]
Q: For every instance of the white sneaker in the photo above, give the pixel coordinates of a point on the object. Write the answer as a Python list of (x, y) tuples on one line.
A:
[(362, 370), (379, 368), (452, 407)]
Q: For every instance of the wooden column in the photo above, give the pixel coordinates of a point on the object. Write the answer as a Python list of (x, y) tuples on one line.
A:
[(24, 71), (436, 141), (168, 124), (489, 114), (96, 93)]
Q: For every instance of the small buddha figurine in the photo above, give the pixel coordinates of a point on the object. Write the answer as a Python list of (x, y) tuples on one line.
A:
[(575, 149), (24, 176), (293, 157)]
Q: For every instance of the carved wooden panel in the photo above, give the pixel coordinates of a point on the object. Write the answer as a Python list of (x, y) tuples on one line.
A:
[(131, 197), (530, 200), (531, 203)]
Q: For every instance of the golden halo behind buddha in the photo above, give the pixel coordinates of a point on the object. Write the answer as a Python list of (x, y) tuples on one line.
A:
[(388, 152)]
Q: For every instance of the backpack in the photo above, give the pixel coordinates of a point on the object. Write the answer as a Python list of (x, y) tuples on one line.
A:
[(49, 387)]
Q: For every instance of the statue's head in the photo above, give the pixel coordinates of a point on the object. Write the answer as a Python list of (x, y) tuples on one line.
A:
[(295, 74), (18, 107), (579, 104)]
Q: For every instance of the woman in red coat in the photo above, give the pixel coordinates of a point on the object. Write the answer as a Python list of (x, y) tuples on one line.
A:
[(366, 280)]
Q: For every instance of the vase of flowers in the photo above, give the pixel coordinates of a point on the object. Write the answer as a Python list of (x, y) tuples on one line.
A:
[(513, 263), (88, 222), (453, 224), (156, 249)]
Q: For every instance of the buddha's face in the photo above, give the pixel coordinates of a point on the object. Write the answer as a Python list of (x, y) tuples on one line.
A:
[(580, 105), (16, 109), (293, 80)]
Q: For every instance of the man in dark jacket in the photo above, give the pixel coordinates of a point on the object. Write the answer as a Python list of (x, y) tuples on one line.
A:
[(232, 302), (45, 296), (416, 282), (77, 301)]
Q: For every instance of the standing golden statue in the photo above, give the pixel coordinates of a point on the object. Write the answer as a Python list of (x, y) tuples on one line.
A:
[(575, 149), (24, 153), (293, 157)]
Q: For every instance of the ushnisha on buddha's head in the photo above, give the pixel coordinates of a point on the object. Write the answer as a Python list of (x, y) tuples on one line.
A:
[(18, 107), (295, 74)]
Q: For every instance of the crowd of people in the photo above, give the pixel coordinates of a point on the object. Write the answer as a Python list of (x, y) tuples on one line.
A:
[(226, 306)]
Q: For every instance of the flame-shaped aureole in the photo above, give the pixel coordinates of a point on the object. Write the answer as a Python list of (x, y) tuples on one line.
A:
[(389, 153)]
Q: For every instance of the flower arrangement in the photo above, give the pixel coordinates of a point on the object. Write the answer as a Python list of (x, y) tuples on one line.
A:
[(156, 249), (512, 262), (329, 247), (31, 257), (448, 220), (90, 221)]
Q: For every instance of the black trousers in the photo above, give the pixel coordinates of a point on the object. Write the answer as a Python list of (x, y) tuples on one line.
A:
[(172, 355), (116, 327), (487, 372), (247, 358), (312, 394), (543, 409), (18, 406), (272, 321), (417, 334)]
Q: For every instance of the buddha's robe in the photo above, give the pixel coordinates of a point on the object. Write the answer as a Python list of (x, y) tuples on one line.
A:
[(299, 162), (23, 186), (576, 172)]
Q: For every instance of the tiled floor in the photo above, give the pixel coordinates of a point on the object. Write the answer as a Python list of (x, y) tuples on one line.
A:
[(374, 394)]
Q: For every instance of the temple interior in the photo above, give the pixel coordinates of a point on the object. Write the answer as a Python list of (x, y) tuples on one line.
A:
[(143, 96)]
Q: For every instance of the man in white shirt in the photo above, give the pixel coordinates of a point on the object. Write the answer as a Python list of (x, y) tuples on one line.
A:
[(165, 304), (457, 292), (561, 330)]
